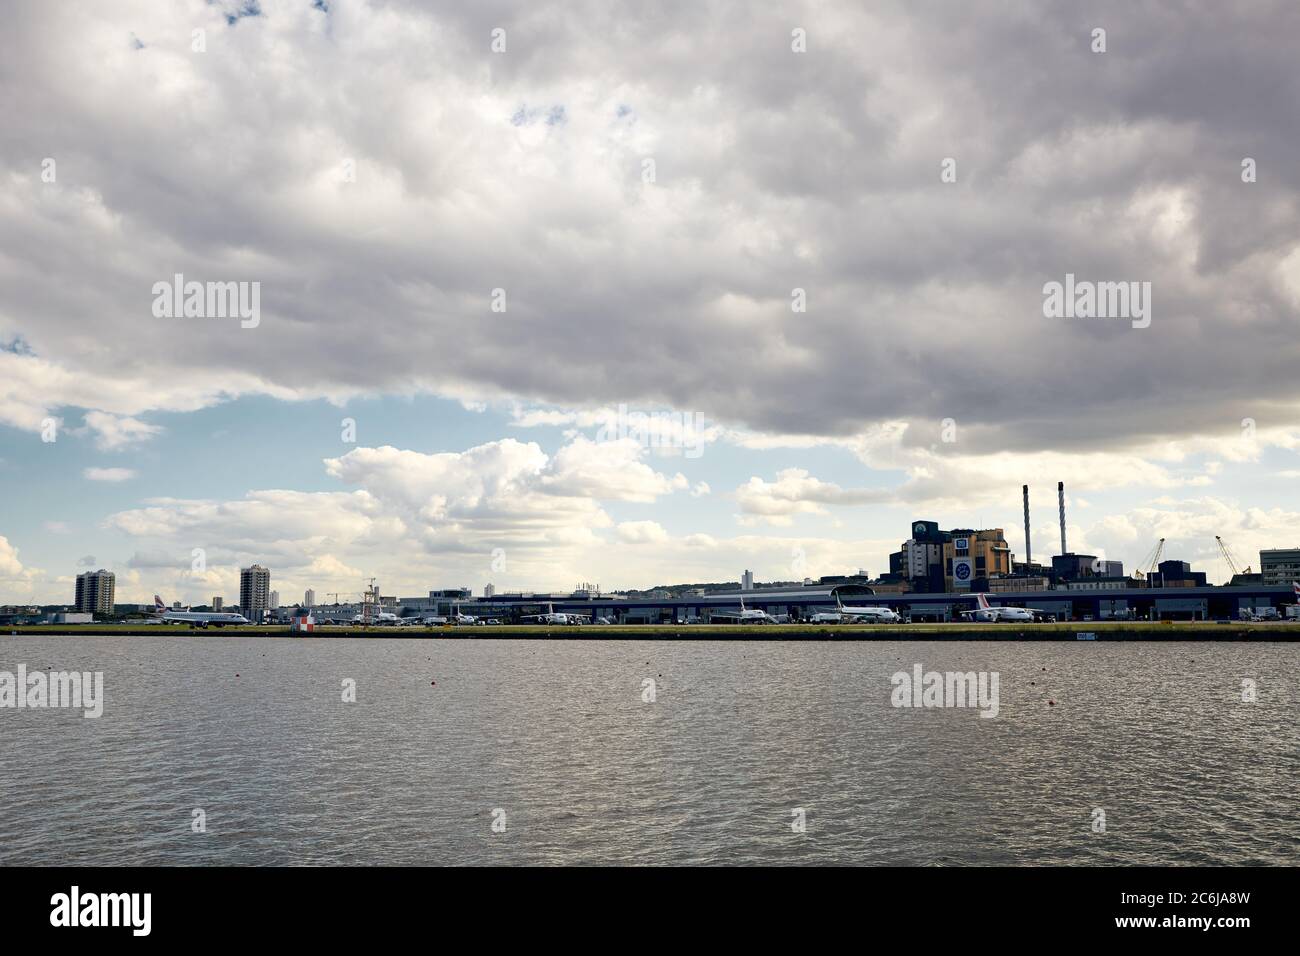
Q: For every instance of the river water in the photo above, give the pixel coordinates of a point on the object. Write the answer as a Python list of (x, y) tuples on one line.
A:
[(471, 751)]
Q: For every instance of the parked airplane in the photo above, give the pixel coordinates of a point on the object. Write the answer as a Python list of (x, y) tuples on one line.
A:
[(459, 618), (745, 616), (552, 617), (868, 615), (986, 612), (856, 615), (195, 618), (383, 617)]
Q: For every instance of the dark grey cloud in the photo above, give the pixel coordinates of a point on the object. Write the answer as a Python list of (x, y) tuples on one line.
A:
[(774, 170)]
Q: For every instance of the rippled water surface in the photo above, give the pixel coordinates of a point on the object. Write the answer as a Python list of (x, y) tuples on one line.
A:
[(254, 732)]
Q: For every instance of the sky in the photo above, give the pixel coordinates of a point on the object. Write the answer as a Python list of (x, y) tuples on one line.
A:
[(814, 240)]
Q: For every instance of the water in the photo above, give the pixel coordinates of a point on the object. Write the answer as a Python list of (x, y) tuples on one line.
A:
[(741, 734)]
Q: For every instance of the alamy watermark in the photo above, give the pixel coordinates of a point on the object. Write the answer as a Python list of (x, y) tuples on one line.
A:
[(211, 300), (1098, 300), (923, 688), (75, 690), (130, 910), (662, 430)]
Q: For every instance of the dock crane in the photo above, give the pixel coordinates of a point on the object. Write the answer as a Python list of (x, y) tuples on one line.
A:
[(1151, 561), (1227, 556)]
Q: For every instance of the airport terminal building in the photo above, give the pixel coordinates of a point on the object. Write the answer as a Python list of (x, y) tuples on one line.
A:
[(797, 604)]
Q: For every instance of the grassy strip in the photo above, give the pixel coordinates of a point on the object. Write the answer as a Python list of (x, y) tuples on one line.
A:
[(1115, 630)]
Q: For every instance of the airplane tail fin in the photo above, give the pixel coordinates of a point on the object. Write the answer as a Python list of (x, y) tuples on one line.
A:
[(983, 601), (1295, 589), (158, 606)]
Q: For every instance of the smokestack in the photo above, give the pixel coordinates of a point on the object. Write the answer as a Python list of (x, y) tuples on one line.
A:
[(1060, 498), (1025, 489)]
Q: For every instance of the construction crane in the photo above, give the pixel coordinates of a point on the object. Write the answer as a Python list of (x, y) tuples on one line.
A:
[(1150, 562), (1227, 556)]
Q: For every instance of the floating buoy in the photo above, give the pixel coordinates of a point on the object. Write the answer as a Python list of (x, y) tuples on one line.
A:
[(433, 683), (1051, 703)]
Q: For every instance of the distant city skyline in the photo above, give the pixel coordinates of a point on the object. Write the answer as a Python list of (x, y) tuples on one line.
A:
[(756, 298)]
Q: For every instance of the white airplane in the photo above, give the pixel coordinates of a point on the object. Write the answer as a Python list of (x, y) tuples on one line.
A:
[(868, 615), (551, 617), (462, 618), (383, 617), (856, 615), (986, 612), (745, 616), (195, 618)]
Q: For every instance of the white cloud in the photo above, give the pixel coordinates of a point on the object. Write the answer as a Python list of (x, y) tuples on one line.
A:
[(14, 577), (641, 532), (113, 432), (608, 470), (108, 474), (796, 492)]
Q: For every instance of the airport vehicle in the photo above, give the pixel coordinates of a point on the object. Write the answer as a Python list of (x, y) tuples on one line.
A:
[(989, 614), (552, 617), (194, 618), (418, 621)]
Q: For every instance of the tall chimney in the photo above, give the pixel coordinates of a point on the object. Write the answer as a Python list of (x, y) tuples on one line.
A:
[(1060, 498), (1025, 489)]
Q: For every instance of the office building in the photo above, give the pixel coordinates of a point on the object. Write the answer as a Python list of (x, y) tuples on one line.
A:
[(217, 603), (309, 598), (1280, 565)]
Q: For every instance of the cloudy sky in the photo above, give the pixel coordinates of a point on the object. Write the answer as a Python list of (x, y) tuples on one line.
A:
[(489, 237)]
